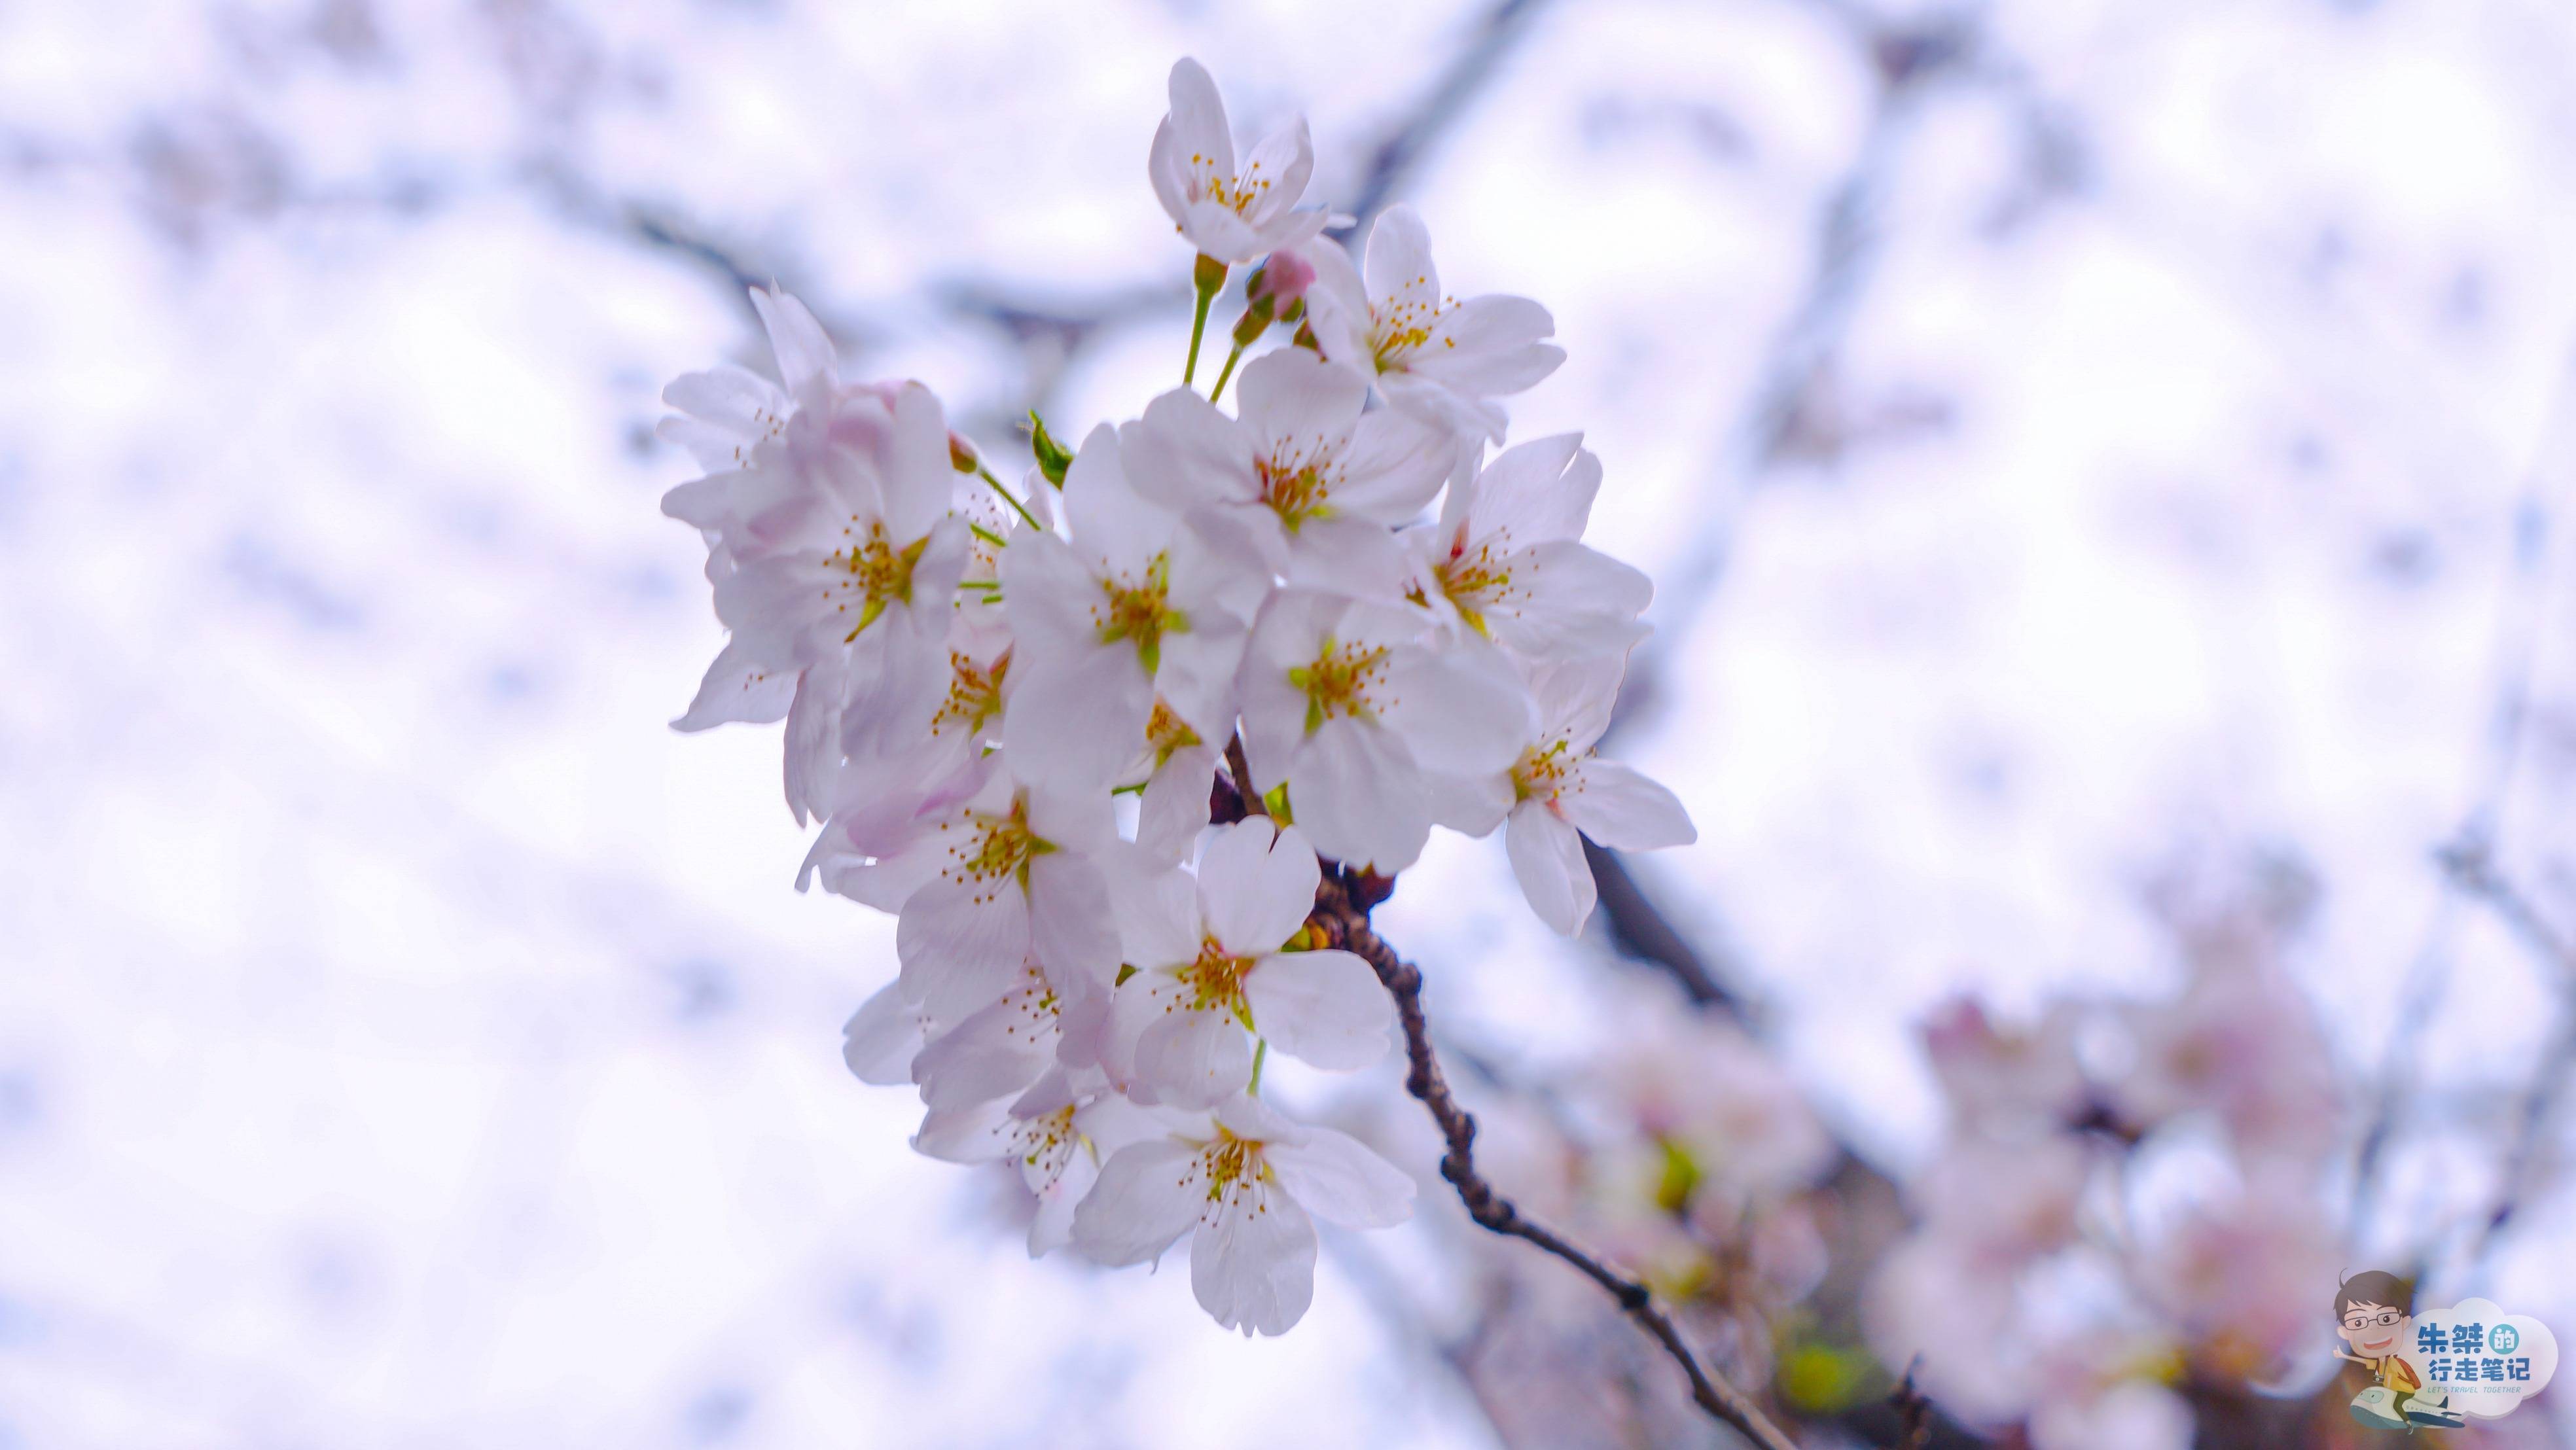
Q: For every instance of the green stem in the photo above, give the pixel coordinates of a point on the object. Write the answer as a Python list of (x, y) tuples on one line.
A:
[(1231, 359), (1207, 275), (1260, 1050), (1016, 506)]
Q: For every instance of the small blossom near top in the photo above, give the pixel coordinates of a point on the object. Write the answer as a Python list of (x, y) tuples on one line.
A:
[(1426, 350), (1231, 214)]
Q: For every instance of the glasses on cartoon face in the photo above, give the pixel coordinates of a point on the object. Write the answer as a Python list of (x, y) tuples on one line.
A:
[(2358, 1321)]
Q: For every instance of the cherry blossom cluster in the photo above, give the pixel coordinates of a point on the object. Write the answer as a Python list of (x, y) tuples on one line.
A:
[(2132, 1200), (1344, 604)]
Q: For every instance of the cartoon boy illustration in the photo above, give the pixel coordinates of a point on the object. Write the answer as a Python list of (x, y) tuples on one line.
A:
[(2376, 1312)]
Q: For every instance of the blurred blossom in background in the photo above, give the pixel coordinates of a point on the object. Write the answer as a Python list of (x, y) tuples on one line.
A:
[(2106, 472)]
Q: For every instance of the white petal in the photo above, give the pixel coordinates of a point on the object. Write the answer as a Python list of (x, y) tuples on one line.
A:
[(1489, 345), (1547, 860), (1537, 491), (882, 1037), (1254, 1267), (1463, 710), (1198, 117), (963, 944), (1074, 719), (1149, 1194), (1174, 808), (1184, 453), (1070, 930), (1157, 913), (1256, 885), (1470, 804), (804, 353), (1193, 1057), (1348, 555), (1341, 1181), (993, 1054), (1109, 520), (1622, 809), (1324, 1008), (977, 1133), (1292, 400), (1398, 265), (1395, 463), (1051, 1227), (1359, 797), (738, 687)]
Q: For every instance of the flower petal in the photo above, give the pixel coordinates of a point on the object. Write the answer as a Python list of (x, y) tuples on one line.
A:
[(1256, 885), (1358, 795), (1324, 1008), (1621, 809), (1149, 1194), (881, 1039), (1337, 1178), (1547, 860), (1254, 1267)]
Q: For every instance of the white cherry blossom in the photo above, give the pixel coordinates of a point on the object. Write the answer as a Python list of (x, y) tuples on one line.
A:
[(1350, 703), (1426, 350), (1246, 1180), (1060, 1131), (1210, 972), (1231, 214), (1303, 484), (1556, 791), (1507, 560), (1134, 607)]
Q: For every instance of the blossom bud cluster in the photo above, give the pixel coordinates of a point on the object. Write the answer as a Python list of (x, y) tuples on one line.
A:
[(1343, 597)]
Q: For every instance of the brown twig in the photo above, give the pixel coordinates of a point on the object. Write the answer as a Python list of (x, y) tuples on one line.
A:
[(1342, 907)]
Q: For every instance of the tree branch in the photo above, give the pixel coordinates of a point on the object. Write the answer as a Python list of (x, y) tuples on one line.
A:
[(2471, 866), (1342, 906)]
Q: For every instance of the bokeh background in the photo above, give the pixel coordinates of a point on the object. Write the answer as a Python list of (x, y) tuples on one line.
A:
[(2073, 441)]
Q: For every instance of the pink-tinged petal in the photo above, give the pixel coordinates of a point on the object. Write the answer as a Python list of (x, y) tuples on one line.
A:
[(1350, 556), (1337, 306), (1288, 634), (1216, 230), (812, 756), (976, 1133), (1253, 1268), (1070, 930), (1168, 168), (1323, 1008), (1047, 594), (805, 355), (1472, 805), (1622, 809), (1535, 491), (1174, 808), (1252, 1119), (739, 403), (963, 943), (1486, 346), (1256, 885), (1156, 912), (918, 478), (1400, 273), (1276, 172), (1149, 1194), (1462, 710), (1575, 698), (1359, 797), (1395, 463), (1340, 1181), (1051, 1227), (1193, 1057), (1112, 525), (882, 1038), (1568, 600), (1199, 126), (1073, 719), (739, 688), (1184, 454), (1295, 403), (1438, 403), (992, 1054), (1547, 860)]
